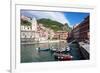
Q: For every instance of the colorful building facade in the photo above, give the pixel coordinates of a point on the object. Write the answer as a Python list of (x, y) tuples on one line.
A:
[(61, 35)]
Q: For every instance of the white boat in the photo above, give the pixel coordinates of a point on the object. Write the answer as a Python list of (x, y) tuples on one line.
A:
[(67, 48)]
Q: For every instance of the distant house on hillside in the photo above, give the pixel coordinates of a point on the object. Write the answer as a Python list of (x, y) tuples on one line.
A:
[(61, 35)]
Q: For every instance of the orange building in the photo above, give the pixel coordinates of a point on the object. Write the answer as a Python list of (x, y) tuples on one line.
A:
[(61, 35)]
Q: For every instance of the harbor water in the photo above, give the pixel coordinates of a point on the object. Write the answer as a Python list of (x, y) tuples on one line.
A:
[(29, 52)]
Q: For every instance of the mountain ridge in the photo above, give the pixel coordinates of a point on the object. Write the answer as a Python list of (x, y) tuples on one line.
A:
[(55, 25)]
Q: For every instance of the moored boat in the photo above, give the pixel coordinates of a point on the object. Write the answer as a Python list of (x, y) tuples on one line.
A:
[(63, 57), (58, 50), (42, 49)]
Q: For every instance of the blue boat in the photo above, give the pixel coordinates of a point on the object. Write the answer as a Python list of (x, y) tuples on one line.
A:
[(42, 49)]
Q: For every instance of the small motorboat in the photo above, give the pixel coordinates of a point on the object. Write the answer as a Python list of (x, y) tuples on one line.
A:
[(63, 57), (58, 50), (54, 50), (42, 49)]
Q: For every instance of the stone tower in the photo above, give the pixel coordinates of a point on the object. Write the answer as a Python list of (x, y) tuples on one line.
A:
[(34, 24)]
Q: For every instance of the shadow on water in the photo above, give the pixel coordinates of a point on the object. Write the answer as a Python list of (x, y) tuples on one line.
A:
[(74, 51)]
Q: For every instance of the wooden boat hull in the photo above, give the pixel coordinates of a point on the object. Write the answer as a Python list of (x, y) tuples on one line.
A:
[(62, 57)]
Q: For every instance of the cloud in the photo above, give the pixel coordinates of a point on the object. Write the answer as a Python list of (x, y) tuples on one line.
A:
[(57, 16)]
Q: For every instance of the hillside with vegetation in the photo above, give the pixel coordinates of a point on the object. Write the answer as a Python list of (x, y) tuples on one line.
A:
[(54, 25), (25, 22)]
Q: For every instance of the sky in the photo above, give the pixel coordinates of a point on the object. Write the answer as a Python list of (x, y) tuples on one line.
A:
[(72, 18)]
